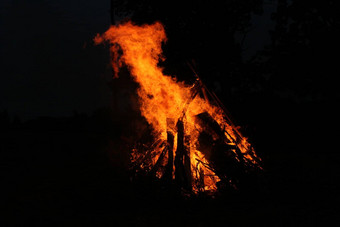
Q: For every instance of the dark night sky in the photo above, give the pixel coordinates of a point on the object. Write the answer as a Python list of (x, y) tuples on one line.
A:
[(49, 64)]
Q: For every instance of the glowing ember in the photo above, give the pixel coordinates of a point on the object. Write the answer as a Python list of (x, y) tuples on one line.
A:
[(176, 111)]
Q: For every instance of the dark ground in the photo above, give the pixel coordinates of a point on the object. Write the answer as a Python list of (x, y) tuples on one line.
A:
[(71, 171)]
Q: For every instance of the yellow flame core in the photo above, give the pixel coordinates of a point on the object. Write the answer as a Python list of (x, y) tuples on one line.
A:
[(162, 97)]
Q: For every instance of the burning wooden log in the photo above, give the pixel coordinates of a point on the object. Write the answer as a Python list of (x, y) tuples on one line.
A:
[(187, 162), (180, 175), (170, 144)]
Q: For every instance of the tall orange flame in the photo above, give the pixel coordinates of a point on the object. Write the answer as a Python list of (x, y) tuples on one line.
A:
[(162, 97)]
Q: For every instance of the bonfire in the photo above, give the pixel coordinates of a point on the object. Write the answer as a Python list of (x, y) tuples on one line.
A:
[(193, 140)]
